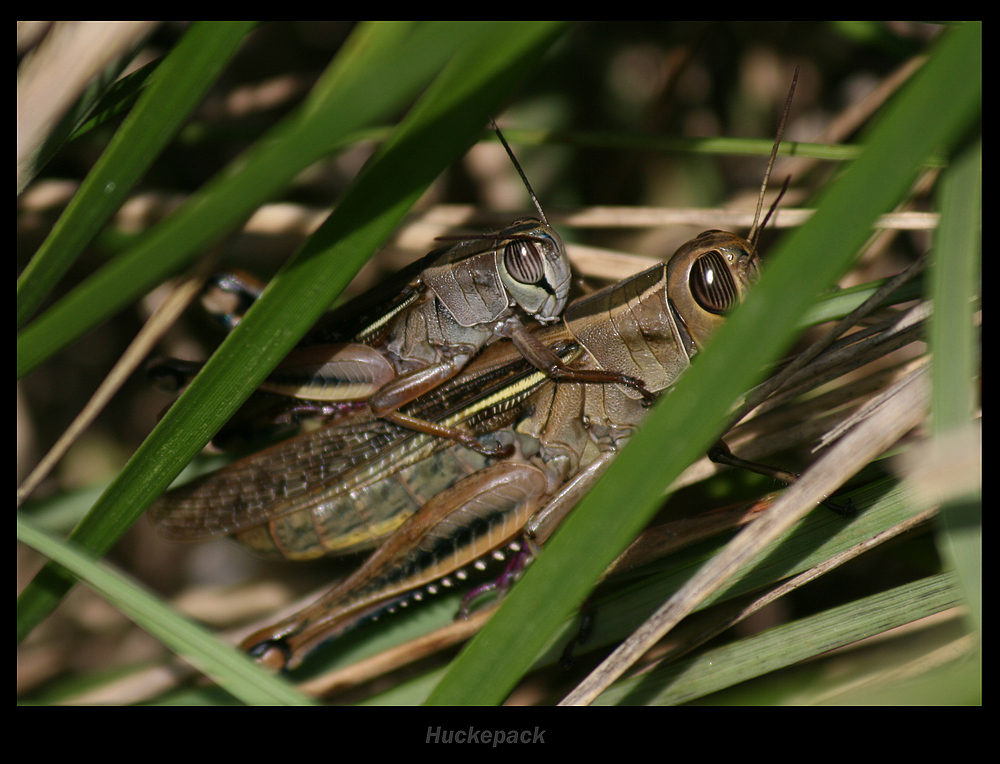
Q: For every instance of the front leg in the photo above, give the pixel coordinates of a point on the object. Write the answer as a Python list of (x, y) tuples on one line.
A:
[(542, 358), (409, 386)]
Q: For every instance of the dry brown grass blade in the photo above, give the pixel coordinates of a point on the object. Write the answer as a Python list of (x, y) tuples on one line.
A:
[(151, 333), (378, 665), (795, 583), (53, 76)]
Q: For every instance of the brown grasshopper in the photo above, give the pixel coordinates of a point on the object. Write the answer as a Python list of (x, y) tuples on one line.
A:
[(408, 336), (434, 506)]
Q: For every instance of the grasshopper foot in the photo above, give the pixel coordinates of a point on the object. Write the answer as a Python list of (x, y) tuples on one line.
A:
[(271, 654)]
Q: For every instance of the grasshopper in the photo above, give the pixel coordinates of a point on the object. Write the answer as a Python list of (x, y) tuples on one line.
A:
[(408, 336), (431, 505)]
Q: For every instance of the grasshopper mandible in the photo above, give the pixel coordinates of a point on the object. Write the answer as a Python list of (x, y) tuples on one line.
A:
[(399, 341)]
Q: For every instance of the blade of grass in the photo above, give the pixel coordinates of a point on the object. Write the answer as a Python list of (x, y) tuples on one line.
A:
[(175, 88), (230, 668), (720, 146), (58, 76), (930, 113), (786, 645), (956, 285)]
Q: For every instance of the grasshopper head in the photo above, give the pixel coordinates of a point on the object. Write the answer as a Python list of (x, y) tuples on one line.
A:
[(707, 278), (534, 269)]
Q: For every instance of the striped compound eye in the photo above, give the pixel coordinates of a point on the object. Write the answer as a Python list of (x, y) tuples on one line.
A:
[(712, 283), (523, 261)]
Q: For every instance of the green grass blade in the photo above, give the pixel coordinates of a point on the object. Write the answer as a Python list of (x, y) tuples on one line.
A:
[(120, 98), (176, 87), (936, 107), (955, 287), (787, 645), (954, 341), (227, 666)]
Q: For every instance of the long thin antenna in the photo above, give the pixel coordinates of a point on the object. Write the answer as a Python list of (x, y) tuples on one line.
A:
[(776, 202), (520, 172), (754, 230)]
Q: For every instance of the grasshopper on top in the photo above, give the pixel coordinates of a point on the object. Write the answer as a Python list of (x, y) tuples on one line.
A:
[(408, 336)]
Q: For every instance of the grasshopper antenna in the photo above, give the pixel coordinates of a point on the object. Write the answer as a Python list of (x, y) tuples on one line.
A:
[(520, 172), (774, 204), (754, 229)]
